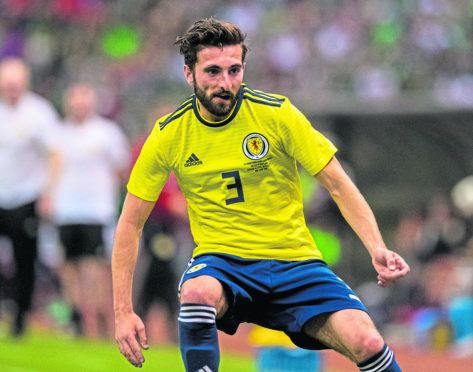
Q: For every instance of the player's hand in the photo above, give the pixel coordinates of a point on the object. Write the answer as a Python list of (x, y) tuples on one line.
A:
[(390, 266), (131, 337)]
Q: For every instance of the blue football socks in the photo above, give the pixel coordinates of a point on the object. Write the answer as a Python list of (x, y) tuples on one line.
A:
[(383, 361), (199, 338)]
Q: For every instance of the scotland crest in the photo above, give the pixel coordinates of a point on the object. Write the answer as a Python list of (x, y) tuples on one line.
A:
[(255, 146)]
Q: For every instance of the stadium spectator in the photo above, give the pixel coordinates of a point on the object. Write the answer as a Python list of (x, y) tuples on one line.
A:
[(93, 158), (27, 126), (234, 152)]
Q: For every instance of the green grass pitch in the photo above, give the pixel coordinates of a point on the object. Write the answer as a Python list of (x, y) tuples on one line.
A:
[(46, 351)]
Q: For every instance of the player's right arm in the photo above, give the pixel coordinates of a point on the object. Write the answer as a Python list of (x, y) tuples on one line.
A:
[(129, 329)]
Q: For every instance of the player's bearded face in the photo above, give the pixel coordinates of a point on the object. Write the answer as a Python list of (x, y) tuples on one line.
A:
[(216, 79), (219, 104)]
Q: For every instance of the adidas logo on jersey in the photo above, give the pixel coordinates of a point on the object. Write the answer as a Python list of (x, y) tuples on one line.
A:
[(193, 160)]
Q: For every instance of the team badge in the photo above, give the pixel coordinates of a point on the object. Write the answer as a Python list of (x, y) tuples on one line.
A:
[(196, 268), (255, 146)]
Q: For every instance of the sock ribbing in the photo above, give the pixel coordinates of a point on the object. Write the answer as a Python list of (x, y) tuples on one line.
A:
[(383, 361), (198, 337), (197, 313)]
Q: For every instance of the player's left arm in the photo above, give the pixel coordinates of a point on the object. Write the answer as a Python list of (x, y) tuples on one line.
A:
[(389, 265)]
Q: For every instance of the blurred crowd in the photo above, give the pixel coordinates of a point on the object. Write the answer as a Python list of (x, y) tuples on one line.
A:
[(109, 63), (432, 308), (376, 49)]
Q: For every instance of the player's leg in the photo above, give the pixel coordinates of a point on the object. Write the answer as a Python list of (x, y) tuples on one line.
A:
[(23, 233), (90, 283), (69, 274), (352, 333), (202, 301), (91, 273)]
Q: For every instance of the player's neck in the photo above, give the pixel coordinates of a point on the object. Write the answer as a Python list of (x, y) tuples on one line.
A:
[(211, 118)]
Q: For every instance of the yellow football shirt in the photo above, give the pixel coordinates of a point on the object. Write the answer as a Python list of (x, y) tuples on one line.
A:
[(239, 176)]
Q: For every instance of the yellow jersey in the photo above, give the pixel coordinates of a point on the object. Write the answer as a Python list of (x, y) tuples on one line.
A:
[(239, 176)]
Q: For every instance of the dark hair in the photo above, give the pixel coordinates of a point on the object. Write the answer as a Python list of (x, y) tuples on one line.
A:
[(209, 32)]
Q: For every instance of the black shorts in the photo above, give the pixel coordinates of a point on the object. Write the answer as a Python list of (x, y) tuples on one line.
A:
[(80, 240)]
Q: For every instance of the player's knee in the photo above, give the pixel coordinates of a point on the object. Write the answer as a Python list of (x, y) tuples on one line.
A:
[(202, 290), (371, 343)]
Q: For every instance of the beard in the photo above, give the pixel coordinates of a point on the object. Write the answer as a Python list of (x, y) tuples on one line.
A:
[(220, 109)]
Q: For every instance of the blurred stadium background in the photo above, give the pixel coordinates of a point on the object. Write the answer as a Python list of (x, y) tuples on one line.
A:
[(390, 82)]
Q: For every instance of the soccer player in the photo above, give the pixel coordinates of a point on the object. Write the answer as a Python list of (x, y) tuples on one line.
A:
[(93, 156), (234, 152)]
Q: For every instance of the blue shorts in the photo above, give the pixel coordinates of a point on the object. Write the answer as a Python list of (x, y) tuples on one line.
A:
[(276, 294)]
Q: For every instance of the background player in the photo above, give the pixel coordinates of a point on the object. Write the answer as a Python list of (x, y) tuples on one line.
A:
[(93, 157), (28, 124)]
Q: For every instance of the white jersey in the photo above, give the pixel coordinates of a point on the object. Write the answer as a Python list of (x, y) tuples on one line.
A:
[(26, 137), (91, 155)]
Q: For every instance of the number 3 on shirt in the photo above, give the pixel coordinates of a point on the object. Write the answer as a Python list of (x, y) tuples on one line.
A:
[(237, 185)]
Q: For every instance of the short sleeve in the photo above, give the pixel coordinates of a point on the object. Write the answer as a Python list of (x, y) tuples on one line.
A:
[(150, 172), (46, 123), (303, 142)]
